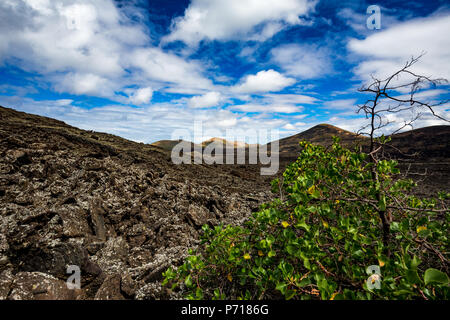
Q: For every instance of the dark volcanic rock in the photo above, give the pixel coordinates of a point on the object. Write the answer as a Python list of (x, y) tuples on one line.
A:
[(119, 210), (110, 289), (41, 286)]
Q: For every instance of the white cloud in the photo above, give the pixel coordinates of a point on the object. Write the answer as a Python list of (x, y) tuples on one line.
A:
[(424, 95), (237, 19), (88, 36), (300, 116), (226, 123), (88, 47), (270, 29), (397, 120), (17, 90), (264, 81), (164, 67), (266, 108), (303, 61), (290, 98), (276, 103), (341, 105), (210, 99), (386, 51), (83, 84), (289, 126), (141, 96), (40, 5)]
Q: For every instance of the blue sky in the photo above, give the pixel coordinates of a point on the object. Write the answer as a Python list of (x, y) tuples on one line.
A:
[(143, 69)]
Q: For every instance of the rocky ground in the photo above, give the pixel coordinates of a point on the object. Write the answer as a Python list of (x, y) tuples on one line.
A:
[(119, 210)]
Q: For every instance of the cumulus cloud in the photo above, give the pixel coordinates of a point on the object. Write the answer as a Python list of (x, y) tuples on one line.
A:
[(303, 61), (276, 103), (156, 65), (83, 84), (290, 98), (341, 105), (396, 121), (386, 51), (141, 96), (429, 96), (266, 108), (264, 81), (237, 19), (87, 35), (210, 99), (88, 47), (289, 126)]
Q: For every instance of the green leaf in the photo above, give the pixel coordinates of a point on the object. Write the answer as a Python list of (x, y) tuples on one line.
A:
[(216, 293), (188, 281), (306, 263), (412, 276), (199, 293), (425, 233), (402, 292), (281, 287), (395, 226), (435, 276), (302, 224), (415, 262), (289, 294)]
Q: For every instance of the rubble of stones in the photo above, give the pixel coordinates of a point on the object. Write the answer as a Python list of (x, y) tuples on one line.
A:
[(119, 210)]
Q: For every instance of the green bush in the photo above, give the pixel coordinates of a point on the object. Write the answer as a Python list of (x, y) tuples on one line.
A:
[(318, 238)]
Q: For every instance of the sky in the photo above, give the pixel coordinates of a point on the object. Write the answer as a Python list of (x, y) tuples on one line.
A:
[(144, 70)]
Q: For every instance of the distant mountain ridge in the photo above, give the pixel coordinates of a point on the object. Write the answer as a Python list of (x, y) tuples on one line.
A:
[(320, 134), (425, 143), (168, 145)]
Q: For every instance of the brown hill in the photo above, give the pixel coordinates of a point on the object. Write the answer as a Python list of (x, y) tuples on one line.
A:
[(207, 147), (429, 143), (168, 145), (424, 153), (321, 134), (224, 142)]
